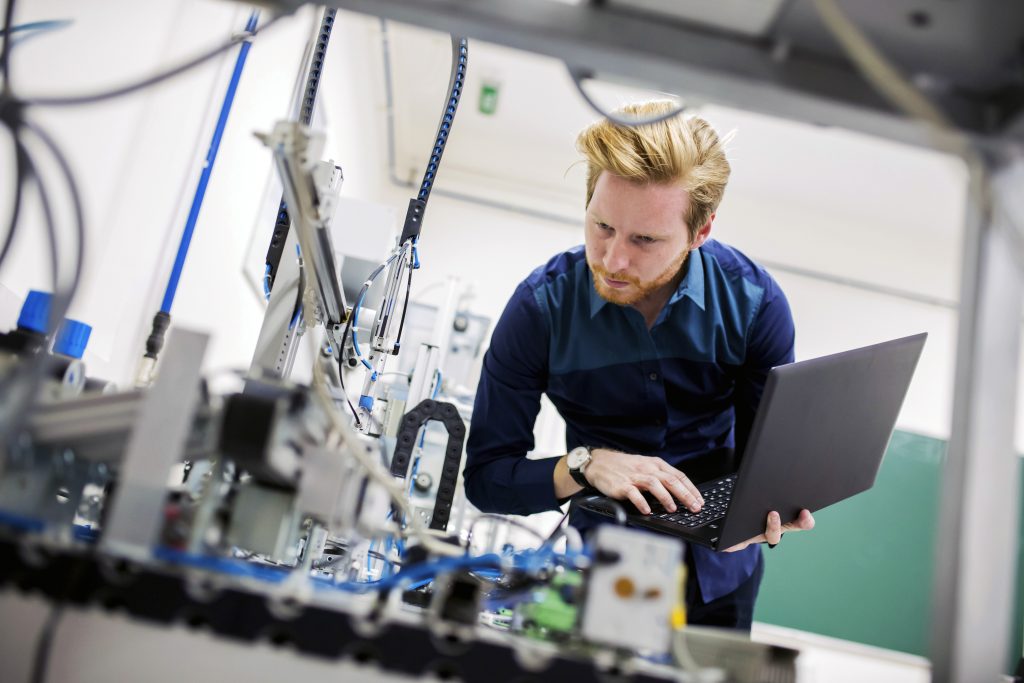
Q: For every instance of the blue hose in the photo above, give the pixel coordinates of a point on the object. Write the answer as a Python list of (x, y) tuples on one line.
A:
[(204, 177)]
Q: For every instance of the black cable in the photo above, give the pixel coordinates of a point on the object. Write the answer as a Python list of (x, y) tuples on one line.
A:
[(44, 645), (341, 379), (75, 100), (19, 182), (362, 294), (21, 400), (341, 369), (405, 306), (76, 201), (348, 329), (620, 512), (558, 526), (298, 295), (579, 75), (5, 51), (383, 558), (19, 387)]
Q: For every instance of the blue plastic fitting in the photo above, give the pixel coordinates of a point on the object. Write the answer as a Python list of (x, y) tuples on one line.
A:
[(35, 312), (72, 338)]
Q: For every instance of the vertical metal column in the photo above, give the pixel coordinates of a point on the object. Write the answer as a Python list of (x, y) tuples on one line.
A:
[(976, 552), (156, 443), (278, 341)]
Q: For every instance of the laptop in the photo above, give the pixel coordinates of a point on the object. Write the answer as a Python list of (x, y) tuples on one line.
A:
[(819, 435)]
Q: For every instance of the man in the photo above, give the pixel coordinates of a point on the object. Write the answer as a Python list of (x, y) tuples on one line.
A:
[(652, 341)]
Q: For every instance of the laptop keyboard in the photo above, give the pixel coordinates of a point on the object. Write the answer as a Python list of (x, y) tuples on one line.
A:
[(717, 495)]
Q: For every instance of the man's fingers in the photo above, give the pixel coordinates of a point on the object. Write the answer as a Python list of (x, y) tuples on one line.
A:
[(805, 522), (637, 499), (692, 488), (683, 480), (773, 530), (658, 490), (744, 544), (682, 493)]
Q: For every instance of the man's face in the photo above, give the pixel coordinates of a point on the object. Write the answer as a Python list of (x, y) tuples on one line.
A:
[(636, 238)]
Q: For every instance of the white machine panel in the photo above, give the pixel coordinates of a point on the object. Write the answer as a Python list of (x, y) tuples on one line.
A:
[(632, 590)]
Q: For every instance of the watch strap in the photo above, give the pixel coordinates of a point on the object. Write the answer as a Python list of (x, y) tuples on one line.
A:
[(577, 473), (579, 478)]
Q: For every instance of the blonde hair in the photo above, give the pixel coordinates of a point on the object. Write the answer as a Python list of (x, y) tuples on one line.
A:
[(680, 150)]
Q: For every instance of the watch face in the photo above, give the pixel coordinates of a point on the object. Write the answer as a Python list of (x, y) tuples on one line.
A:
[(577, 457)]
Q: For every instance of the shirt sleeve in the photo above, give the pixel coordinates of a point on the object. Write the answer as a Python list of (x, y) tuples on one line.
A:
[(498, 476), (769, 343)]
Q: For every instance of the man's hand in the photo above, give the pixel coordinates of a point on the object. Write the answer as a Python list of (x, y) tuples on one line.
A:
[(775, 528), (624, 476)]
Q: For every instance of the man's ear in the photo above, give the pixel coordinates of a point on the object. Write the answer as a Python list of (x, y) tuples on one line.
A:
[(702, 235)]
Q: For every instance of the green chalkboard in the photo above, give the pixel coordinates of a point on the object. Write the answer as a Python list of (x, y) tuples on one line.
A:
[(865, 573)]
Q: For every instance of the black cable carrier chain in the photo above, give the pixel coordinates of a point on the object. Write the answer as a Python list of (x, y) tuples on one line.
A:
[(445, 413), (418, 204)]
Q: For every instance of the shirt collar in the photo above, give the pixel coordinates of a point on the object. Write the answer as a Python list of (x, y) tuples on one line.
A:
[(692, 285), (693, 282)]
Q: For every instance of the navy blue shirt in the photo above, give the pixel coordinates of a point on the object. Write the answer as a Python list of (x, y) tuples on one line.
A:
[(688, 385)]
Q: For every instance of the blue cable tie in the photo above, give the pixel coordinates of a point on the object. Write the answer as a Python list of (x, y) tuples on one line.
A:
[(366, 402)]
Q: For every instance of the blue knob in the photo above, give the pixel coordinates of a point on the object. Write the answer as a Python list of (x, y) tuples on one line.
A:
[(35, 313), (72, 338)]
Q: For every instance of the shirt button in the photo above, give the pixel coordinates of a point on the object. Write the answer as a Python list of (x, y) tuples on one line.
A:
[(653, 376)]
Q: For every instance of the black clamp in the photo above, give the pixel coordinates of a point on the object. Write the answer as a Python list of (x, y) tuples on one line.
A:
[(413, 220), (412, 422)]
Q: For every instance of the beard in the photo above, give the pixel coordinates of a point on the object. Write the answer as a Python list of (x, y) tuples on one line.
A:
[(639, 290)]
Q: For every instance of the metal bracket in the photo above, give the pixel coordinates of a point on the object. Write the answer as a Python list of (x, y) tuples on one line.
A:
[(158, 441), (309, 188)]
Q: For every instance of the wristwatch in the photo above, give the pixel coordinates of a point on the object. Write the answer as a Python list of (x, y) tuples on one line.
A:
[(577, 460)]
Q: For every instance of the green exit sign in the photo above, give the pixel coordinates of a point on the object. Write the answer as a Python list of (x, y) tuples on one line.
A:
[(488, 103)]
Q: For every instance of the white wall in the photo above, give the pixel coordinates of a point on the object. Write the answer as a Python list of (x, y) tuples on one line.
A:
[(138, 159), (802, 196), (811, 198)]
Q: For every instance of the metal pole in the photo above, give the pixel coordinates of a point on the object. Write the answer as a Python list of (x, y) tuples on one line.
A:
[(976, 552)]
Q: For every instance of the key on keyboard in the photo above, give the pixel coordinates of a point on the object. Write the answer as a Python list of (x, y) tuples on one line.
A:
[(717, 495)]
